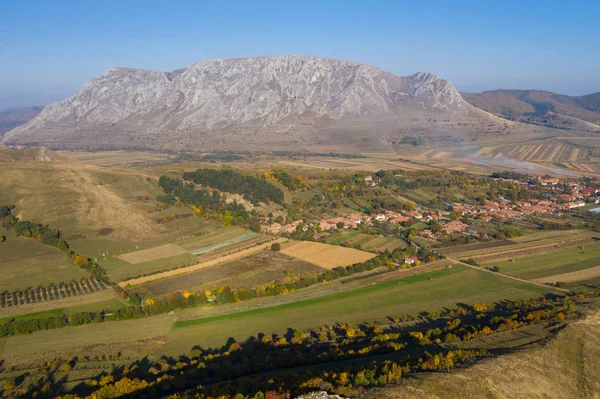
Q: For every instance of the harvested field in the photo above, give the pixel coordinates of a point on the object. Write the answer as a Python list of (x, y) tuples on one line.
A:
[(475, 247), (323, 255), (256, 269), (116, 158), (150, 254), (580, 275), (220, 259)]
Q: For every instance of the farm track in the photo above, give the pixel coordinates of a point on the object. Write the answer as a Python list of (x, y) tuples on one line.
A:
[(527, 250), (202, 265), (510, 277), (369, 278)]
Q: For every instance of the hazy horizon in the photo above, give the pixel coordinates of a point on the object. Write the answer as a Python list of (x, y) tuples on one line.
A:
[(50, 50)]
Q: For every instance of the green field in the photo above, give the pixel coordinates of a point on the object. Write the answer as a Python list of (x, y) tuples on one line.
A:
[(546, 264), (412, 295), (64, 339), (27, 262)]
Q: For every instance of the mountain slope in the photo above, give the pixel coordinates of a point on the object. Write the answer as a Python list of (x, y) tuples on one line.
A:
[(541, 108), (276, 97), (11, 118)]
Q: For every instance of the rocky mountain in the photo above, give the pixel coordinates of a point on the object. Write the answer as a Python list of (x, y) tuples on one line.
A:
[(248, 101), (11, 118), (541, 108)]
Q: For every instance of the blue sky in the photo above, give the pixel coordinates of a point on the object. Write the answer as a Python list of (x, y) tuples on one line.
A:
[(48, 49)]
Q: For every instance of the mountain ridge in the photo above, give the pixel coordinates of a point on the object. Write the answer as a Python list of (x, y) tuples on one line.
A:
[(280, 94)]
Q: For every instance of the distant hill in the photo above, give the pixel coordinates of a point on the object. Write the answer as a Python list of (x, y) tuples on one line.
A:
[(11, 118), (541, 108)]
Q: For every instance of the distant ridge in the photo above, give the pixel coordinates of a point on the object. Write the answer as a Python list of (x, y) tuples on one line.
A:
[(13, 117), (541, 108)]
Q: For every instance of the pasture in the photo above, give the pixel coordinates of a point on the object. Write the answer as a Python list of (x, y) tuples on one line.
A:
[(262, 267), (412, 295), (546, 266), (323, 255), (26, 262)]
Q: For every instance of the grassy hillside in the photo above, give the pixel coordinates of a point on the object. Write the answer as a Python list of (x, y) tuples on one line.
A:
[(566, 367), (541, 108)]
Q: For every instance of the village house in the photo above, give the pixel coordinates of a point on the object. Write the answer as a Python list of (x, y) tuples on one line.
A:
[(411, 260), (455, 226)]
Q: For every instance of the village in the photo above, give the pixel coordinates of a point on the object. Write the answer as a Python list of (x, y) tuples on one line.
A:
[(450, 220)]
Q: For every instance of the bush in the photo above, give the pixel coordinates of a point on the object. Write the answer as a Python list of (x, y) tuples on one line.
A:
[(276, 247)]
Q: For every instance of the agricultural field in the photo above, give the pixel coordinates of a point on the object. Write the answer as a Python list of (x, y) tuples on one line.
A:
[(223, 255), (25, 262), (574, 263), (430, 291), (108, 337), (541, 241), (260, 268), (323, 255), (125, 261), (366, 242), (116, 158), (95, 301), (424, 292)]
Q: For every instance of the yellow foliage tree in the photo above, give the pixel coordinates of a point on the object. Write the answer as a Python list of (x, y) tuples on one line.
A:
[(186, 294), (150, 301)]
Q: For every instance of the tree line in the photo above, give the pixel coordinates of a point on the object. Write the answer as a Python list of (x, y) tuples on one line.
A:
[(253, 189)]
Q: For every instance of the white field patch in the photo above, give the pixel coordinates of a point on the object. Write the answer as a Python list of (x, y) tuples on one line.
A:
[(150, 254)]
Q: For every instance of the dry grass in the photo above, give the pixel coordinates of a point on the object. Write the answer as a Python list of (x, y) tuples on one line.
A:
[(326, 256), (565, 368), (150, 254)]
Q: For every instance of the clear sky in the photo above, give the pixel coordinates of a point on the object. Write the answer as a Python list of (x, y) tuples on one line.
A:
[(48, 49)]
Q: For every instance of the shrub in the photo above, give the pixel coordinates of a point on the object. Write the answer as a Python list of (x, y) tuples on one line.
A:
[(276, 247)]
